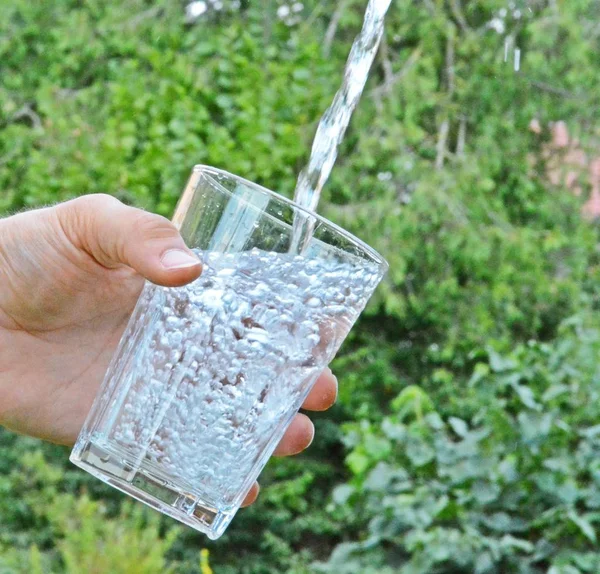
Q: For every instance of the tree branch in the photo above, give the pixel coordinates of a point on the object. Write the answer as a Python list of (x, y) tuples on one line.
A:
[(462, 137), (267, 21), (151, 13), (450, 63), (553, 90), (444, 131), (385, 60), (332, 28), (389, 82), (430, 7), (442, 144), (309, 21), (27, 112), (457, 12)]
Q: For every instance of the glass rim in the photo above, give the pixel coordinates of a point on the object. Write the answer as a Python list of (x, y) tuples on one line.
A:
[(373, 254)]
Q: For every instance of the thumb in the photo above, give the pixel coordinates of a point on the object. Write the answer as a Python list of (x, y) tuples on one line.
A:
[(115, 234)]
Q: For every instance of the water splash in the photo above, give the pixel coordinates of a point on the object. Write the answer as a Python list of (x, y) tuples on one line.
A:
[(335, 120)]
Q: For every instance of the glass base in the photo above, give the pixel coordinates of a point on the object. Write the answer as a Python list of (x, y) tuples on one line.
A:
[(156, 492)]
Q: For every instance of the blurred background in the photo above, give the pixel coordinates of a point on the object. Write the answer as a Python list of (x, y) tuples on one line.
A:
[(466, 438)]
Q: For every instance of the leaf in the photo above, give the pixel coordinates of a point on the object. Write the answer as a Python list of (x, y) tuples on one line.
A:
[(384, 476), (509, 541), (342, 555), (412, 401), (419, 451), (342, 493), (564, 569), (565, 489), (377, 447), (503, 522), (554, 391), (484, 563), (534, 427), (434, 420), (559, 464), (379, 478), (224, 101), (459, 426), (586, 528), (480, 371), (35, 558), (590, 432), (485, 491), (392, 430), (527, 397), (498, 363), (357, 462), (588, 562), (302, 74)]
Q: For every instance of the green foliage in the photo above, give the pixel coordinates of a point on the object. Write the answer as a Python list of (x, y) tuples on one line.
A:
[(466, 438), (136, 99), (128, 543), (506, 482), (85, 536)]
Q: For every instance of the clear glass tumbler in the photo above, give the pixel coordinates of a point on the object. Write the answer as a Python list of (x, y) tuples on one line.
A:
[(207, 377)]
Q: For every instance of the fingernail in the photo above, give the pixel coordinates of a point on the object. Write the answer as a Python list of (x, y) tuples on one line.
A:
[(312, 437), (178, 259)]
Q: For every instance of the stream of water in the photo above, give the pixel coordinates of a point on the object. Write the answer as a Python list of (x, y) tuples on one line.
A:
[(334, 122)]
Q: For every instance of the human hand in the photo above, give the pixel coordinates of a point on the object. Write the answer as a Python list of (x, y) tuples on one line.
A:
[(70, 276)]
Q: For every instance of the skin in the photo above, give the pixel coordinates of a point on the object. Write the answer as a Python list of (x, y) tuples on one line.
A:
[(69, 278)]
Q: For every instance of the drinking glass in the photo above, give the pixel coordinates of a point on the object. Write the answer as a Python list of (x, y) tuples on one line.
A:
[(207, 377)]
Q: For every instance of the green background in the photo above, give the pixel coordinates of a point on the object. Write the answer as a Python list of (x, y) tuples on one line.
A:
[(466, 438)]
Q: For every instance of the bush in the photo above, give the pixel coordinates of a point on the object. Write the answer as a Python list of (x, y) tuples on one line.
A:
[(84, 535), (505, 482)]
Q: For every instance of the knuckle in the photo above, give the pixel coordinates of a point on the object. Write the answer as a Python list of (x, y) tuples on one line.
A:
[(96, 201), (77, 217), (82, 219), (153, 227)]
